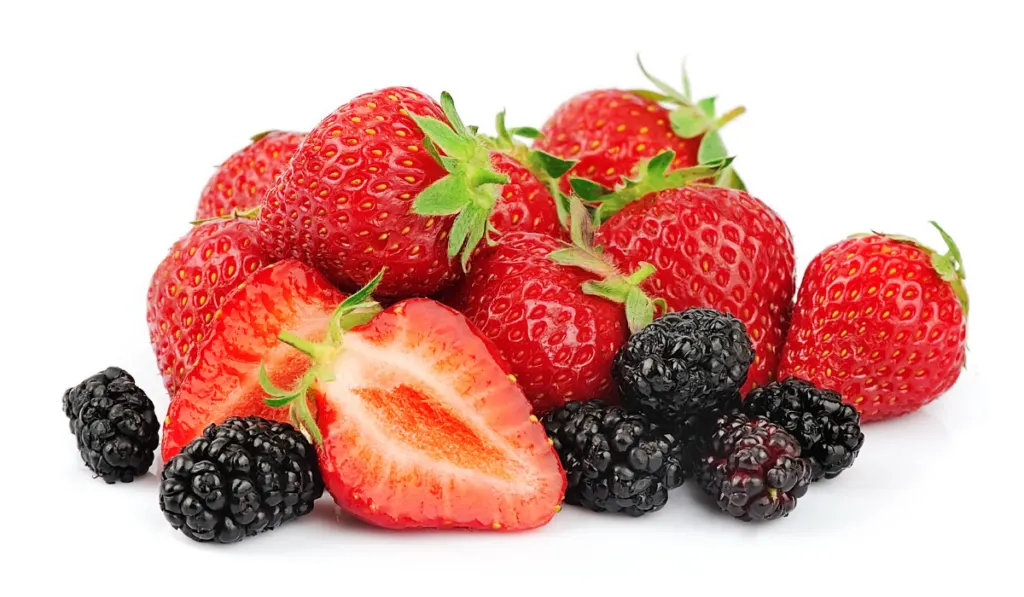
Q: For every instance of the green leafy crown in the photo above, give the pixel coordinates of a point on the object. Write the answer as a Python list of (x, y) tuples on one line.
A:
[(614, 286), (691, 119), (357, 309), (652, 176)]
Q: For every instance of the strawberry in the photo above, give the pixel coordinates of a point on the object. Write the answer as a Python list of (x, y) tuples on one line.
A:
[(191, 283), (713, 247), (881, 319), (609, 132), (555, 312), (419, 423), (240, 183), (225, 380), (393, 179)]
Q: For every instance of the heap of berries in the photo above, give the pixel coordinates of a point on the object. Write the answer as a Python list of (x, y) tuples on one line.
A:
[(445, 329)]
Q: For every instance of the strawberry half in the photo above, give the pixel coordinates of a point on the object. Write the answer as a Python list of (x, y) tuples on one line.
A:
[(419, 423), (225, 380)]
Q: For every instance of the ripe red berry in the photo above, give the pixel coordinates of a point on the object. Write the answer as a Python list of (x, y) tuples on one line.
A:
[(243, 179), (191, 284), (881, 319)]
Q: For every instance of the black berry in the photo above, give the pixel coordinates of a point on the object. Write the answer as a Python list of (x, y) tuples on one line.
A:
[(114, 425), (614, 459), (240, 478), (828, 430), (752, 468), (683, 363)]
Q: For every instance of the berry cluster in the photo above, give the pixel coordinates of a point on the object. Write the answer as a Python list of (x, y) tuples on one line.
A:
[(754, 455), (443, 328)]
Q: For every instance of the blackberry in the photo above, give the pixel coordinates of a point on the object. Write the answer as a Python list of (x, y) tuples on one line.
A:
[(683, 363), (614, 459), (752, 468), (114, 425), (828, 430), (694, 429), (240, 478)]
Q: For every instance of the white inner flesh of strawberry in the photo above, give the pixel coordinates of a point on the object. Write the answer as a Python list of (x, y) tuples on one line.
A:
[(409, 408)]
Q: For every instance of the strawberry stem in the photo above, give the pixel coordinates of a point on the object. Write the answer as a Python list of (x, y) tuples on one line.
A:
[(236, 214), (315, 351)]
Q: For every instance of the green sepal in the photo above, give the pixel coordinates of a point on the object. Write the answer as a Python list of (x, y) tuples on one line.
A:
[(670, 94), (586, 189), (466, 233), (236, 214), (448, 107), (729, 179), (444, 197), (357, 309), (639, 310), (707, 106), (470, 187), (553, 166), (442, 136), (654, 96), (711, 148), (526, 132), (651, 178), (613, 286), (690, 120), (259, 136)]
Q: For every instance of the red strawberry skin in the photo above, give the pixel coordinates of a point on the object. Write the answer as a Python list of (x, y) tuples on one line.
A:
[(423, 427), (243, 179), (716, 248), (343, 204), (287, 295), (609, 132), (875, 322), (559, 342), (524, 204), (190, 284)]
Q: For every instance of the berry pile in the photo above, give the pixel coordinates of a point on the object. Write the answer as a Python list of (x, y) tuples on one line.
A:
[(443, 329)]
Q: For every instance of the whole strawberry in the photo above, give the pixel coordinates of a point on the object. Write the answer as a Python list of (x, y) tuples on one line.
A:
[(556, 312), (390, 179), (881, 319), (713, 247), (190, 285), (609, 132), (418, 422), (240, 183)]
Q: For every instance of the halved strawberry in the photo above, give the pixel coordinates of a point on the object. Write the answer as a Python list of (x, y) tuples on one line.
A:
[(224, 382), (422, 426)]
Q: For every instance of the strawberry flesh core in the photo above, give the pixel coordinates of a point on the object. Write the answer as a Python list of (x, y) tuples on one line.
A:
[(424, 428)]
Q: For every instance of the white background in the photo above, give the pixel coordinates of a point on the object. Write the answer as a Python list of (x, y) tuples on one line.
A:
[(876, 116)]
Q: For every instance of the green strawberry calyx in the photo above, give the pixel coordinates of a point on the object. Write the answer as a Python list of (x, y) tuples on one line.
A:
[(358, 309), (259, 136), (949, 265), (691, 119), (236, 214), (470, 189), (549, 169), (623, 289), (652, 177)]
